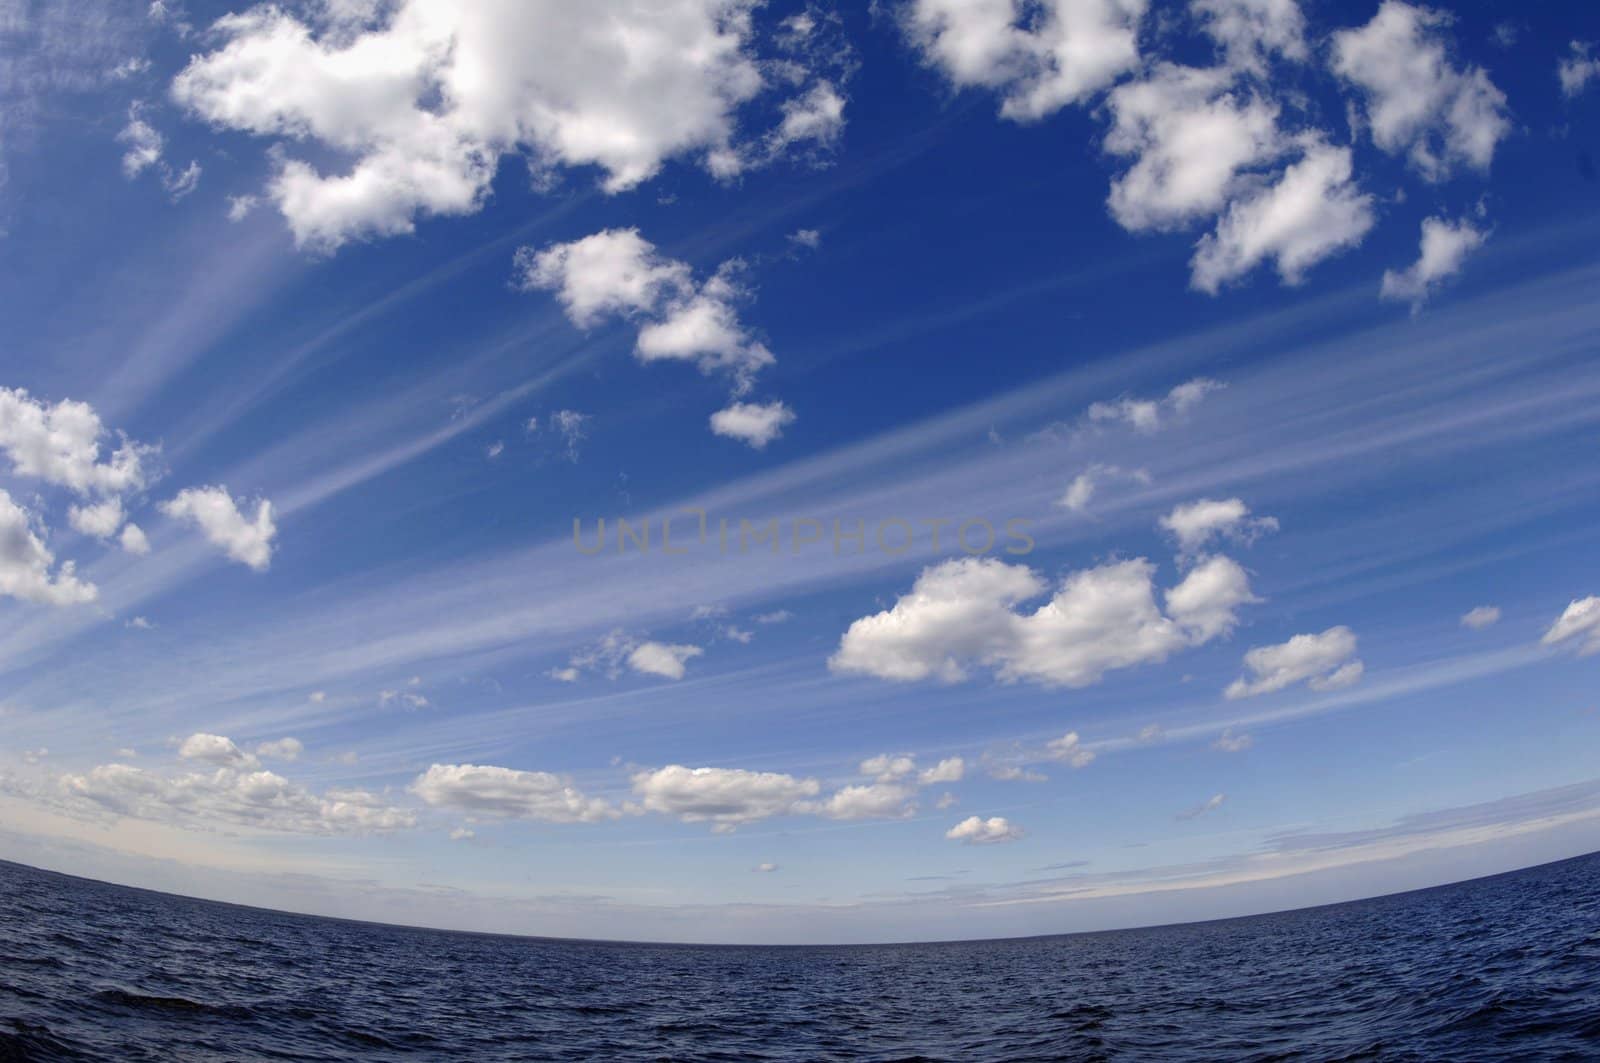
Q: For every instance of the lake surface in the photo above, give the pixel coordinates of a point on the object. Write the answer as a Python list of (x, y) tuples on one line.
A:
[(1499, 968)]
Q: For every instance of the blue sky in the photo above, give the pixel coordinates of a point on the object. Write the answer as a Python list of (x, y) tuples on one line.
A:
[(1262, 337)]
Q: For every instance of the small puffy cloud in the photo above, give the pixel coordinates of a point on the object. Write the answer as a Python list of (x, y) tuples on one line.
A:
[(777, 616), (1231, 742), (463, 834), (1195, 525), (1150, 415), (1324, 662), (61, 444), (134, 540), (964, 612), (755, 423), (808, 238), (214, 512), (214, 749), (100, 520), (26, 563), (950, 769), (408, 698), (1445, 247), (1016, 773), (139, 623), (1037, 57), (726, 797), (1481, 617), (281, 749), (1195, 136), (1418, 101), (1577, 69), (1210, 804), (1577, 626), (143, 143), (1085, 487), (887, 766), (765, 868), (241, 207), (1250, 30), (317, 697), (485, 790), (420, 100), (879, 800), (662, 659), (1312, 211), (1068, 749), (618, 273), (975, 830)]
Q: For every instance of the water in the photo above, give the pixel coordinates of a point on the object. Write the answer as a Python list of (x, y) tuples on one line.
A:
[(1499, 968)]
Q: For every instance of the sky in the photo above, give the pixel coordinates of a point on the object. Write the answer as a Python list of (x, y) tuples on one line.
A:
[(706, 470)]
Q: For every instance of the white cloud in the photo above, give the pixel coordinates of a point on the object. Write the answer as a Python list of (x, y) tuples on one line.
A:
[(950, 769), (229, 795), (766, 867), (1230, 742), (1069, 750), (139, 623), (60, 444), (777, 616), (1086, 485), (281, 749), (1481, 617), (879, 800), (25, 563), (1418, 102), (100, 520), (144, 144), (1445, 246), (214, 512), (1194, 135), (618, 273), (179, 183), (975, 830), (1250, 30), (1577, 69), (240, 207), (1195, 525), (133, 540), (887, 766), (215, 749), (1309, 213), (425, 97), (754, 423), (463, 834), (809, 238), (1151, 415), (1210, 804), (405, 697), (963, 612), (662, 659), (1038, 56), (1578, 625), (723, 796), (1326, 662), (485, 790)]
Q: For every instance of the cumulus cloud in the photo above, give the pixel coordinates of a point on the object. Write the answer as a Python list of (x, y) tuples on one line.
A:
[(1039, 57), (144, 144), (26, 563), (662, 659), (214, 512), (424, 97), (1577, 69), (1577, 626), (1324, 662), (1481, 617), (618, 273), (879, 800), (1445, 247), (61, 444), (1069, 750), (100, 520), (1313, 210), (1086, 485), (1195, 525), (751, 422), (964, 612), (766, 867), (232, 795), (281, 749), (725, 797), (1249, 31), (1418, 101), (485, 790), (1150, 415), (950, 769), (975, 830), (215, 749)]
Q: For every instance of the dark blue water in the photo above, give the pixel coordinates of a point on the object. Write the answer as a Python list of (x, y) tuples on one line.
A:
[(1501, 968)]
